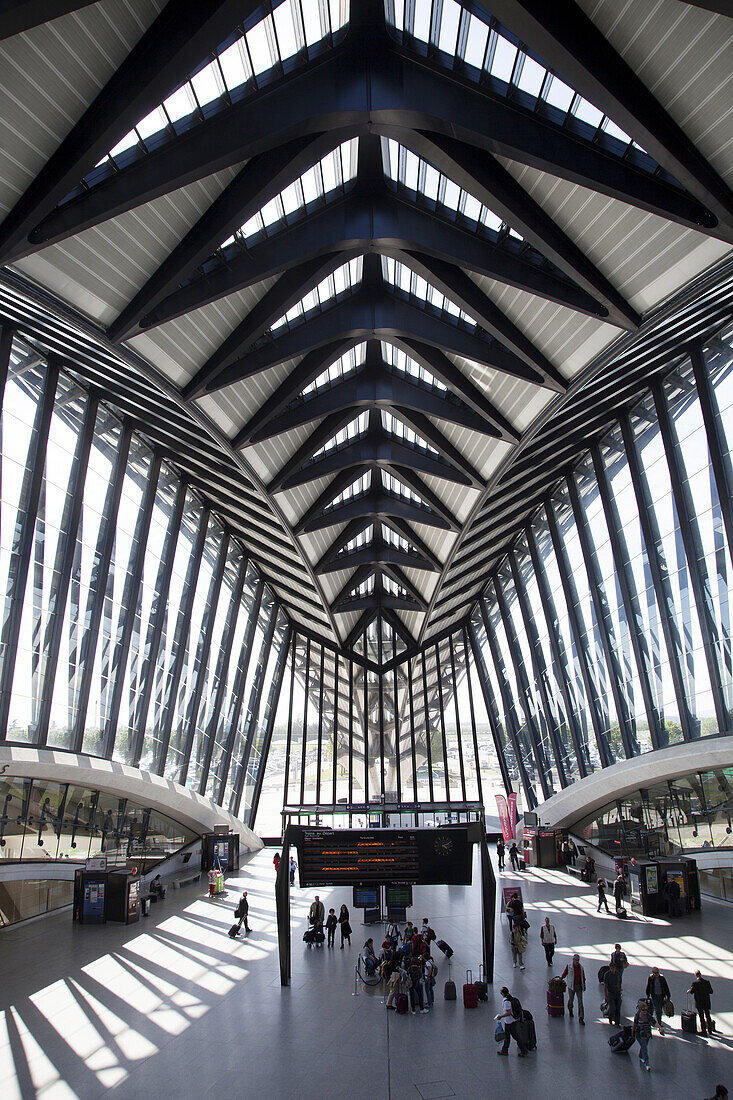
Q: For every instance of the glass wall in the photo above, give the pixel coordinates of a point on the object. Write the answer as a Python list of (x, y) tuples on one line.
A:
[(606, 630), (133, 626)]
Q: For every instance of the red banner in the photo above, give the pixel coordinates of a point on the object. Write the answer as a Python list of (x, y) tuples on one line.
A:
[(513, 814), (506, 829)]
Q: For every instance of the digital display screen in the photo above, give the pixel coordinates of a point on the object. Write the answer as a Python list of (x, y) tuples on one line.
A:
[(399, 897), (339, 857), (366, 897)]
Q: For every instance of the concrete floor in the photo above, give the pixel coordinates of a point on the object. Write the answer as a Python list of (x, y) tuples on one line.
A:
[(172, 1007)]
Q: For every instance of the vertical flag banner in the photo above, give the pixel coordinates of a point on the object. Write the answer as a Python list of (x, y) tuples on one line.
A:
[(513, 814), (506, 831)]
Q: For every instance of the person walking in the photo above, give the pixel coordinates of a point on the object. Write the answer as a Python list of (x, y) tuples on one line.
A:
[(514, 856), (674, 897), (548, 937), (317, 913), (293, 869), (345, 926), (618, 958), (619, 892), (276, 861), (657, 992), (574, 976), (642, 1032), (602, 899), (612, 994), (510, 1015), (514, 911), (241, 913), (518, 945), (702, 991), (331, 925), (500, 851)]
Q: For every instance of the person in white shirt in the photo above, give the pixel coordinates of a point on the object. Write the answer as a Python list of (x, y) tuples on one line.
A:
[(511, 1014), (548, 936)]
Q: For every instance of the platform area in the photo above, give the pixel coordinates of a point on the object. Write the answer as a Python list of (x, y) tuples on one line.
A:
[(171, 1007)]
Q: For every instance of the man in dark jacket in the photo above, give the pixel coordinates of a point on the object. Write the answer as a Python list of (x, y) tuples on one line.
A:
[(242, 913), (702, 991), (619, 892), (674, 895), (612, 991), (657, 991)]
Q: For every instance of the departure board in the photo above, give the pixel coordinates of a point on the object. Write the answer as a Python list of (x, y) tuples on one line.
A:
[(340, 857)]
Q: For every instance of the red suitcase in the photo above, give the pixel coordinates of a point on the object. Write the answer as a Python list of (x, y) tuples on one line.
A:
[(470, 996)]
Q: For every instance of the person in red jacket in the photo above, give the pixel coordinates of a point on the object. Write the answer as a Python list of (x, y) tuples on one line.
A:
[(276, 861), (574, 975)]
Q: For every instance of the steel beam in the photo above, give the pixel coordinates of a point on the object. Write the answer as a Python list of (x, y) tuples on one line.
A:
[(271, 705), (720, 460), (17, 16)]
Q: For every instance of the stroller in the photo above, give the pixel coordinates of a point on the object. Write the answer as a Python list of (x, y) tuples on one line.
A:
[(313, 935)]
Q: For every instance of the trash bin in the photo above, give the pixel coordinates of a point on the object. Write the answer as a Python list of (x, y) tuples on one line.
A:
[(145, 906)]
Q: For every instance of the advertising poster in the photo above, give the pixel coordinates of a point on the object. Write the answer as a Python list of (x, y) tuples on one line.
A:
[(506, 830), (652, 880)]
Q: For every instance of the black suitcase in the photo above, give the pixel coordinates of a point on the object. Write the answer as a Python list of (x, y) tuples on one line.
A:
[(234, 930), (444, 947), (689, 1022), (621, 914), (602, 971), (528, 1022), (622, 1041), (482, 989), (450, 990)]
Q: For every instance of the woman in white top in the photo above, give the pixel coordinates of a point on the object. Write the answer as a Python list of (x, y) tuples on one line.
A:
[(548, 936)]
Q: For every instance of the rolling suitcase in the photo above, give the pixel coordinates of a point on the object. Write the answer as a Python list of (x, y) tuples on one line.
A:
[(235, 929), (401, 1004), (450, 990), (482, 989), (530, 1033), (555, 1003), (470, 997), (444, 947), (621, 914), (622, 1041), (689, 1022)]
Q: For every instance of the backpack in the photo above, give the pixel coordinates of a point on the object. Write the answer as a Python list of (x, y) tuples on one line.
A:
[(516, 1007), (429, 935)]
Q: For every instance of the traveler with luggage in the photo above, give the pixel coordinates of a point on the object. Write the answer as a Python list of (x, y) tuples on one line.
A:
[(430, 973), (345, 926), (514, 911), (657, 992), (548, 937), (393, 933), (276, 861), (317, 912), (369, 957), (415, 973), (427, 932), (397, 988), (293, 869), (572, 852), (642, 1032), (500, 850), (510, 1016), (574, 975), (702, 991), (621, 962), (619, 893), (518, 944), (602, 899), (612, 993), (240, 914), (331, 925), (514, 856)]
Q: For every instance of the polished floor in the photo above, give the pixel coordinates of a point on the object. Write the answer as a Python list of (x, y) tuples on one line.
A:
[(173, 1008)]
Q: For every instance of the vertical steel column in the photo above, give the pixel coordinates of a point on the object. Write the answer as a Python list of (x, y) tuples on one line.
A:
[(395, 696), (98, 583), (510, 716), (237, 701), (412, 735), (183, 624), (6, 346), (720, 460), (289, 737), (33, 479), (459, 733), (492, 711), (365, 711), (520, 672), (351, 735), (472, 712), (380, 701), (273, 702), (203, 649), (253, 707), (660, 578), (222, 667), (155, 625), (320, 727), (441, 711), (130, 596), (560, 659), (65, 554), (571, 601), (694, 552), (305, 719), (539, 670), (629, 595), (599, 600), (428, 734)]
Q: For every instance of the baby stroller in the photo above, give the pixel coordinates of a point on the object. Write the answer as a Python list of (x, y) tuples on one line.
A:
[(313, 935)]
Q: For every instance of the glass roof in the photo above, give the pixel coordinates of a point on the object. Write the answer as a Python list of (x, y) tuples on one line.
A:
[(394, 539), (486, 50), (365, 587), (347, 434), (402, 277), (340, 282), (400, 430), (394, 589), (345, 364), (417, 175), (362, 539), (325, 180), (357, 487), (399, 360), (247, 58), (393, 484)]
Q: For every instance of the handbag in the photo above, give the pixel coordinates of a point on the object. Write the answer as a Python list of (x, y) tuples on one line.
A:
[(668, 1007), (499, 1033)]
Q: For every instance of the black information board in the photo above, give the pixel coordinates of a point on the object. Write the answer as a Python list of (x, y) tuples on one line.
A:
[(339, 857), (398, 897)]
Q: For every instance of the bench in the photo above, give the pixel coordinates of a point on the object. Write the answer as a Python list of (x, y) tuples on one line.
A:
[(186, 876)]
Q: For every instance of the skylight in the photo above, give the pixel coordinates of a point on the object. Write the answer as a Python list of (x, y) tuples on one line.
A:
[(390, 536), (404, 167), (393, 588), (401, 431), (402, 362), (287, 30), (393, 485), (345, 364), (401, 277), (346, 435), (365, 588), (357, 487), (359, 541), (343, 280), (492, 51), (319, 182)]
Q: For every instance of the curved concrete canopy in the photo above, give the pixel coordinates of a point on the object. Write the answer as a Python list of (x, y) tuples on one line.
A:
[(189, 808), (589, 794)]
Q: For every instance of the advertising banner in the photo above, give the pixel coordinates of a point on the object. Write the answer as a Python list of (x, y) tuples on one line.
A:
[(506, 830), (513, 813)]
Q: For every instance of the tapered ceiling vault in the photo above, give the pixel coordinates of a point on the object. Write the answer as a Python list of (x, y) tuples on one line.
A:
[(369, 248)]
